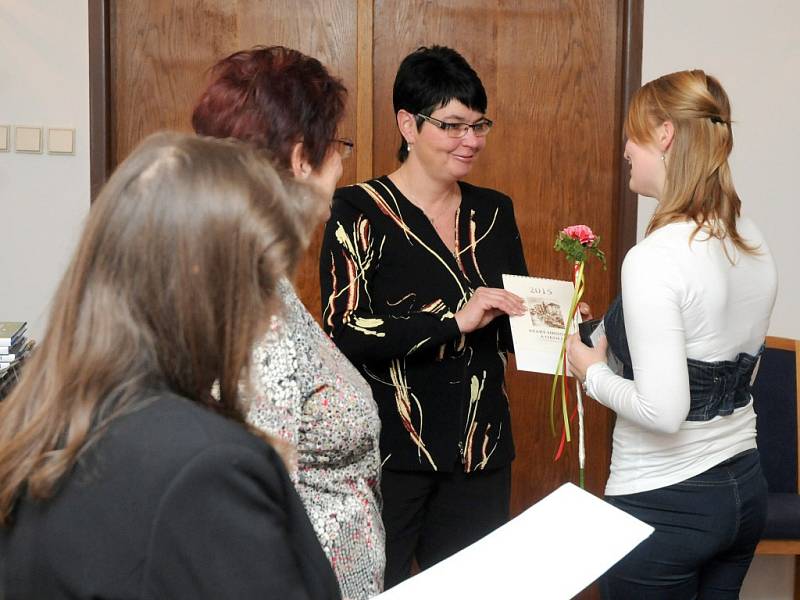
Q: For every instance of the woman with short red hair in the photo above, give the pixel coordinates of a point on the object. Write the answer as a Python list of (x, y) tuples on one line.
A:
[(308, 393)]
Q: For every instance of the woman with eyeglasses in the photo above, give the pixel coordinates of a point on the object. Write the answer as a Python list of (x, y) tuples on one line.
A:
[(308, 393), (412, 293)]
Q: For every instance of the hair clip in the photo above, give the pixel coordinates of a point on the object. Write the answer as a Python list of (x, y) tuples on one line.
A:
[(718, 120)]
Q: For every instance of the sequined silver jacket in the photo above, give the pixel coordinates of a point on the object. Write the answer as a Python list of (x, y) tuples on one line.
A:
[(308, 393)]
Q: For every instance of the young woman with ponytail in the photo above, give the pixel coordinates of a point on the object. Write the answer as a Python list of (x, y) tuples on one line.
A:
[(697, 295)]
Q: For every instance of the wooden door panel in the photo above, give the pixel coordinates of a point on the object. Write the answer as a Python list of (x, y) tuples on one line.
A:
[(326, 30), (557, 80), (401, 27), (161, 53), (550, 71)]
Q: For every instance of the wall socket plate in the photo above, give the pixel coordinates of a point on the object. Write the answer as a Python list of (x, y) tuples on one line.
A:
[(28, 139), (5, 137), (60, 141)]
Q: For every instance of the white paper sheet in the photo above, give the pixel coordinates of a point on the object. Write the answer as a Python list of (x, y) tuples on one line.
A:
[(551, 551)]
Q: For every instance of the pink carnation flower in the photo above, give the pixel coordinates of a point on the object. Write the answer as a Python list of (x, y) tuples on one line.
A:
[(582, 233)]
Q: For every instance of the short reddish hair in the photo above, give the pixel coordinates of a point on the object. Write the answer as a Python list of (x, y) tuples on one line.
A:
[(273, 97)]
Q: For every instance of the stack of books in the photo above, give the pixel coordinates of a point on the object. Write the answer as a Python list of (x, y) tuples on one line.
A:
[(12, 342), (14, 347)]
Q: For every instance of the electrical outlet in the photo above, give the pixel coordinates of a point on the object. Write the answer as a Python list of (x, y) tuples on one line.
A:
[(5, 137), (60, 141), (28, 139)]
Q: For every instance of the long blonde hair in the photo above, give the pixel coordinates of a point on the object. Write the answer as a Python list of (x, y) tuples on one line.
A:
[(698, 181), (173, 279)]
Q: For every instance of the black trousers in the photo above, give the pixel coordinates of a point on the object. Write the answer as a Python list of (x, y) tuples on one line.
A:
[(430, 516)]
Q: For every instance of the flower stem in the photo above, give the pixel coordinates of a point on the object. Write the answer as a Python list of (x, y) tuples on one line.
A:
[(561, 366)]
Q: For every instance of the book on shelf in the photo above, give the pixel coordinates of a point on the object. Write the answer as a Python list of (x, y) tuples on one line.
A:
[(12, 360), (11, 349), (10, 371), (11, 332)]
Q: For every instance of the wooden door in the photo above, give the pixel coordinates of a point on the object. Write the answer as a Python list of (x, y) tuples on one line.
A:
[(553, 74), (161, 52), (557, 73)]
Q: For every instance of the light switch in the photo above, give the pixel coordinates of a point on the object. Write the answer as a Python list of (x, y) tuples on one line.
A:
[(61, 141), (28, 139), (5, 131)]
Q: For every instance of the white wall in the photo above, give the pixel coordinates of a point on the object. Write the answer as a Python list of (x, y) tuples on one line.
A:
[(44, 81), (753, 47), (754, 50)]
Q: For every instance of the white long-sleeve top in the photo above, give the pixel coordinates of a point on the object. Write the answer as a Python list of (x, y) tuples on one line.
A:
[(682, 300)]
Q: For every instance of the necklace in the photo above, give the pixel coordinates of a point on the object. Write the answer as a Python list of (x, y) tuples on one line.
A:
[(444, 222), (445, 207), (448, 206), (433, 218)]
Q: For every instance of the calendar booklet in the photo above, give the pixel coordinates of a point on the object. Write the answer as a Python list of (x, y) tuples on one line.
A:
[(539, 332)]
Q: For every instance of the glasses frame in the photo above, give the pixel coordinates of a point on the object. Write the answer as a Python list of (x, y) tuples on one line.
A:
[(452, 129), (346, 147)]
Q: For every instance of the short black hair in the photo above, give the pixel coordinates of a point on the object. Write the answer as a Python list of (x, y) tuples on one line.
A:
[(429, 78)]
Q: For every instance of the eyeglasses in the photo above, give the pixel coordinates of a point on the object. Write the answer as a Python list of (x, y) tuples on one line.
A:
[(459, 130), (345, 147)]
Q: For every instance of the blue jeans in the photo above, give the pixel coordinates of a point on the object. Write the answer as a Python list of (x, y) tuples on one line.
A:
[(706, 531)]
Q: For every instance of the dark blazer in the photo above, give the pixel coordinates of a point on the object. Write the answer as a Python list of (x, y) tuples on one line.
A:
[(172, 502)]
